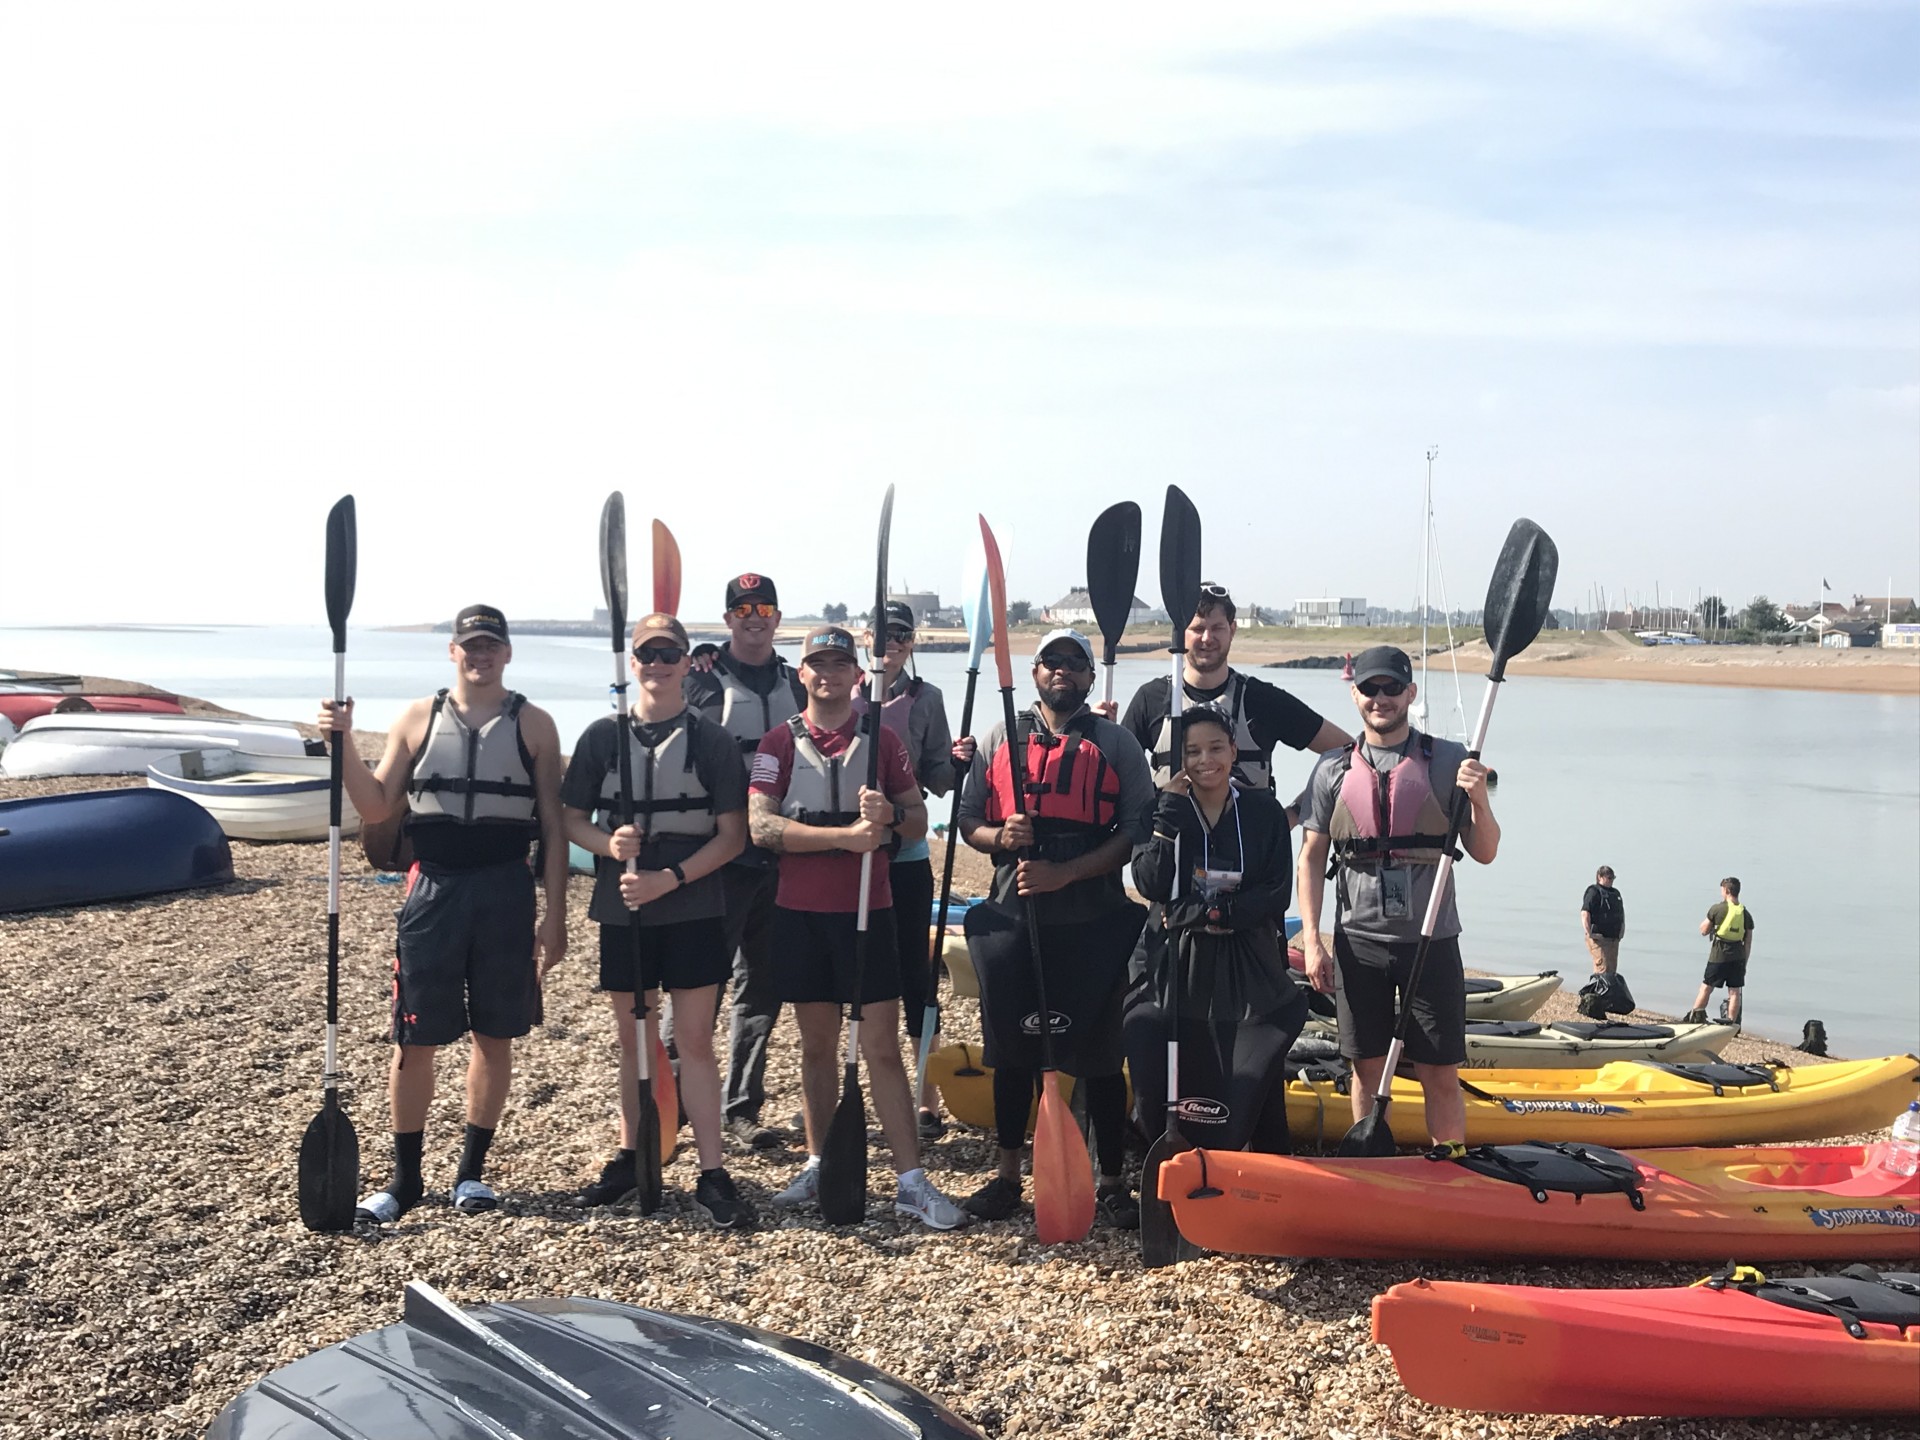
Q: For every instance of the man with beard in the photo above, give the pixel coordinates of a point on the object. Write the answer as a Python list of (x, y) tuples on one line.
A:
[(1059, 848)]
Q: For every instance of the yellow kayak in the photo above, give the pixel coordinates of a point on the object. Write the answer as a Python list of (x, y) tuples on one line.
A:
[(1637, 1105), (966, 1086)]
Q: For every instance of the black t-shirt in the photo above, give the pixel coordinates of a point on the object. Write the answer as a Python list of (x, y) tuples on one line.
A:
[(707, 695), (1606, 911), (1274, 716)]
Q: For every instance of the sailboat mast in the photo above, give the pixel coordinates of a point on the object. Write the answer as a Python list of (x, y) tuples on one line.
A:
[(1426, 593)]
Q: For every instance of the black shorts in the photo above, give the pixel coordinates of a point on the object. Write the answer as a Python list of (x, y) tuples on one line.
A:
[(1730, 973), (813, 957), (685, 955), (465, 956), (1368, 976)]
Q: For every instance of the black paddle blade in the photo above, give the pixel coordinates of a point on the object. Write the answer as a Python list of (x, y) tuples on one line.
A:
[(879, 617), (1161, 1243), (646, 1152), (613, 563), (1520, 592), (1113, 569), (843, 1159), (329, 1168), (1371, 1138), (1179, 559), (342, 563)]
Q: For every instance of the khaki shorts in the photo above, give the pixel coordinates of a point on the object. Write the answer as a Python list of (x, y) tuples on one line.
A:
[(1606, 954)]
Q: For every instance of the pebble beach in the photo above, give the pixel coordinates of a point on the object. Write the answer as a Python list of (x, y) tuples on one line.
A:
[(164, 1056)]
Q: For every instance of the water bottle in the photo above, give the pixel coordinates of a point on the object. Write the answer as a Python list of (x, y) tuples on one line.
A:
[(1903, 1154)]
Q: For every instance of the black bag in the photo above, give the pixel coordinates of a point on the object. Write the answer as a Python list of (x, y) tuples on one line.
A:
[(1605, 995), (1608, 913)]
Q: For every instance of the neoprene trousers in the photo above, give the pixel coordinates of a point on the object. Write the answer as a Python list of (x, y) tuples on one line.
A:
[(1013, 1092)]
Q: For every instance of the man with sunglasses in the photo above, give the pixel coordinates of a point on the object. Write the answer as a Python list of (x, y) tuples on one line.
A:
[(1060, 848), (1263, 715), (690, 819), (748, 691), (1379, 811)]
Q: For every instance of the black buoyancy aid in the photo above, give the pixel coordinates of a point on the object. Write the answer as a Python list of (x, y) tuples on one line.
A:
[(473, 777), (669, 797), (1252, 763), (825, 789), (1072, 792), (1393, 815), (745, 713)]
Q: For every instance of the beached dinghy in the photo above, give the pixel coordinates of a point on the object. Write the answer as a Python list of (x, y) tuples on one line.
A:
[(127, 744), (20, 706), (550, 1368), (256, 797), (97, 845)]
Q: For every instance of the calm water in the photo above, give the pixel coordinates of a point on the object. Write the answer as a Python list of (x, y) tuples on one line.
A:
[(1812, 799)]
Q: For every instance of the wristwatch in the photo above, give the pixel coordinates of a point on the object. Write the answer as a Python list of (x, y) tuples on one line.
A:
[(898, 815), (678, 874)]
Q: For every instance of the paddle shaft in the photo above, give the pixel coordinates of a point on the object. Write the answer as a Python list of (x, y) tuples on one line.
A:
[(330, 1079), (877, 678), (931, 1016), (1175, 974), (1017, 769), (643, 1051)]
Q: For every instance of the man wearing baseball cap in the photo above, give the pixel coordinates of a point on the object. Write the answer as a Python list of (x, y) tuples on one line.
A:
[(476, 769), (1379, 810), (690, 819), (809, 804), (747, 690), (1060, 848)]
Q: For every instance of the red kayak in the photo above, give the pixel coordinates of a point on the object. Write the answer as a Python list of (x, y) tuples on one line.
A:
[(20, 707)]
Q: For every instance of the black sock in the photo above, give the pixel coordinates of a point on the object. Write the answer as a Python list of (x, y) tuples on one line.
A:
[(407, 1185), (473, 1155), (621, 1166)]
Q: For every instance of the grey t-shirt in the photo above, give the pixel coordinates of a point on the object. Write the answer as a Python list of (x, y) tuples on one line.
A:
[(1358, 889)]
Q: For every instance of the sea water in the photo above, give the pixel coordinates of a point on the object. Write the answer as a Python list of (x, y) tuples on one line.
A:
[(1812, 798)]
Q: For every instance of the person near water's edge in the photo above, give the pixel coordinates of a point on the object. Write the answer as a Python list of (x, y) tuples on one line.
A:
[(1219, 866), (1730, 924), (747, 691), (916, 712), (478, 770), (808, 803), (1375, 820), (690, 819), (1089, 801), (1603, 917)]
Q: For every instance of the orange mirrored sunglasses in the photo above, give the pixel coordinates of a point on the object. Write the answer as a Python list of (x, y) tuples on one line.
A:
[(754, 607)]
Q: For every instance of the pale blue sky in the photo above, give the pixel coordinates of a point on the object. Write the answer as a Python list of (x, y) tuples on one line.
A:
[(1645, 272)]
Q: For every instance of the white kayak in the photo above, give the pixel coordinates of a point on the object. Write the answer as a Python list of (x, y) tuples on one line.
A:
[(256, 797), (122, 743), (1582, 1044)]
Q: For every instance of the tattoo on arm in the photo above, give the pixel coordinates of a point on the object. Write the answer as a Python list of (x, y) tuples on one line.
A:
[(765, 823)]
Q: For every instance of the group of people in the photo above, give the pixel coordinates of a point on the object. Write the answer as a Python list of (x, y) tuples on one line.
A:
[(1728, 927), (753, 821)]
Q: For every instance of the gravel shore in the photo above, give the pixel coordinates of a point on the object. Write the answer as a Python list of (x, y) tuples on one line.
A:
[(164, 1057)]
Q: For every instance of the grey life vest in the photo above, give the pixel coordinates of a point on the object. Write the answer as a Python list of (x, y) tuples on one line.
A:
[(473, 777), (668, 797), (1250, 762), (745, 714), (825, 789)]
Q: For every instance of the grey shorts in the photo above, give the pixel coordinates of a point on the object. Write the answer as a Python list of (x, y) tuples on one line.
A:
[(1368, 979), (465, 955)]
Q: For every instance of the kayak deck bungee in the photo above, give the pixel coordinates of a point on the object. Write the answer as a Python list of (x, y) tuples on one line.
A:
[(1834, 1202), (1639, 1105), (1734, 1347), (1489, 997)]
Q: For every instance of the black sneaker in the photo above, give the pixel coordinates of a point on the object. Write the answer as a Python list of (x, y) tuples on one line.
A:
[(932, 1127), (749, 1132), (617, 1181), (998, 1199), (1115, 1205), (714, 1193)]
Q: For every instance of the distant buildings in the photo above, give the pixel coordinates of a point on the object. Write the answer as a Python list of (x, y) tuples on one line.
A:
[(1076, 608), (1330, 613), (924, 604)]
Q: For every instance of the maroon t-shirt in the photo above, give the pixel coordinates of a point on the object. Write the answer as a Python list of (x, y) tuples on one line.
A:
[(828, 881)]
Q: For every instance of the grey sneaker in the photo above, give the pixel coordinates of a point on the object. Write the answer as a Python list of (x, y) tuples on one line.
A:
[(749, 1132), (919, 1199), (805, 1190)]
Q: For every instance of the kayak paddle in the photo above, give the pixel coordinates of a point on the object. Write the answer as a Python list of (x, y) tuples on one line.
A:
[(666, 570), (1160, 1239), (666, 601), (843, 1158), (1062, 1173), (1517, 601), (330, 1150), (973, 604), (648, 1142), (1113, 569)]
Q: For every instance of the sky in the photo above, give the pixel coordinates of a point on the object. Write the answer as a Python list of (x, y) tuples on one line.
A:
[(1643, 272)]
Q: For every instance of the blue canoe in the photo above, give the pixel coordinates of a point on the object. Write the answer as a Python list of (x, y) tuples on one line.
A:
[(99, 845)]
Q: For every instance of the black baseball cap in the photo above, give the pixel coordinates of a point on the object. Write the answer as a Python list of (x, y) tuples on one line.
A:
[(1383, 662), (898, 612), (829, 639), (478, 620), (743, 588)]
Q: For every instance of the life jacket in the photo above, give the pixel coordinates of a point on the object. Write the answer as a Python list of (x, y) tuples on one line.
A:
[(1732, 928), (1072, 793), (745, 713), (1251, 763), (668, 796), (1392, 817), (896, 711), (825, 789), (472, 777)]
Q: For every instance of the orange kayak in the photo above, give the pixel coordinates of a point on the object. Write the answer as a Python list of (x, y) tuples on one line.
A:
[(1809, 1202), (1827, 1345)]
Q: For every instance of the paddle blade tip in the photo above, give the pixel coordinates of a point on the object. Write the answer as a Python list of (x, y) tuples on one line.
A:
[(843, 1162), (329, 1172), (1063, 1199)]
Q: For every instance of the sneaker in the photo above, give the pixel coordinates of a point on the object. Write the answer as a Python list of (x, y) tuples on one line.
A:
[(617, 1181), (805, 1190), (472, 1197), (932, 1127), (998, 1199), (1694, 1017), (1116, 1206), (918, 1198), (751, 1133), (714, 1193)]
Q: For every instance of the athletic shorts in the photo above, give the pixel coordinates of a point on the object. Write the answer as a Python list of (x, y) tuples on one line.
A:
[(685, 955), (813, 955), (465, 955), (1730, 973), (1368, 976)]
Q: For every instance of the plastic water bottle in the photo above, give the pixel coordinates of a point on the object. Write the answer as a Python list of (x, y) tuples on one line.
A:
[(1903, 1155)]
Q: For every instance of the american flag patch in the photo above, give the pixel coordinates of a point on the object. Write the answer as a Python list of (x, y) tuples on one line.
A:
[(765, 771)]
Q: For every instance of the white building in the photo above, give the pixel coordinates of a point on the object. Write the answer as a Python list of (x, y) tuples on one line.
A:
[(1330, 613), (1076, 608)]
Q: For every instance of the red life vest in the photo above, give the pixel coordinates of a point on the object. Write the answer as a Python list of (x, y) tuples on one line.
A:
[(1393, 817), (1072, 792)]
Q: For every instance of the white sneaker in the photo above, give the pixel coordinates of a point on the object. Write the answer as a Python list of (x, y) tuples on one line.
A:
[(919, 1198), (805, 1190)]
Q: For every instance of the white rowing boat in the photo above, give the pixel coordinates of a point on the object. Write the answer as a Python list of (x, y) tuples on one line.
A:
[(120, 743), (255, 797)]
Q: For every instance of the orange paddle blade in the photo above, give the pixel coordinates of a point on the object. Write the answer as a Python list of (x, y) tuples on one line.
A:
[(666, 1099), (666, 570), (1062, 1174), (997, 604)]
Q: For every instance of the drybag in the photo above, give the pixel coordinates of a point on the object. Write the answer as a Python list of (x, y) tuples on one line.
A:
[(1605, 995)]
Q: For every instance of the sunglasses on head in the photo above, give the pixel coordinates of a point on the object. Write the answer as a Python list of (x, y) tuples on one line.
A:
[(1212, 591), (659, 654), (1072, 661), (754, 607), (1371, 688)]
